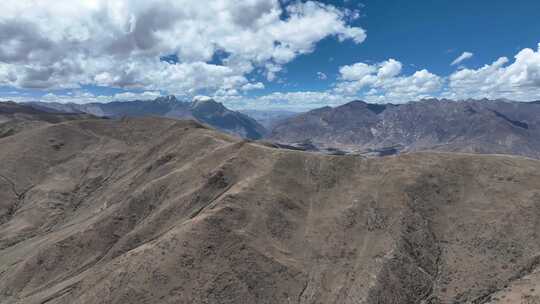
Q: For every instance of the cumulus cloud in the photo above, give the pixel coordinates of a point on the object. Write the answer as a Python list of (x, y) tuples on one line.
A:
[(69, 43), (464, 56), (82, 97), (356, 71), (389, 68), (253, 86), (382, 82), (518, 80), (147, 95)]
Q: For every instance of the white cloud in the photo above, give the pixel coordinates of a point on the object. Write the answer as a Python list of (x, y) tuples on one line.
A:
[(147, 95), (69, 43), (253, 86), (379, 82), (201, 98), (382, 82), (82, 97), (389, 68), (356, 71), (464, 56), (422, 84), (271, 71), (65, 44), (519, 80)]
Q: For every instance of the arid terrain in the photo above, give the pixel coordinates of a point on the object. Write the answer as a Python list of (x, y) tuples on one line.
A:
[(15, 118), (470, 126), (206, 111), (269, 152), (155, 210), (357, 127)]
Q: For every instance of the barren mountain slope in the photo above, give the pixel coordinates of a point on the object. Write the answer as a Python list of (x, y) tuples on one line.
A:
[(206, 111), (473, 126), (17, 117), (162, 211)]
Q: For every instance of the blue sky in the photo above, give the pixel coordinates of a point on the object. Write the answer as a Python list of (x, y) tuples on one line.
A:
[(302, 54), (422, 34)]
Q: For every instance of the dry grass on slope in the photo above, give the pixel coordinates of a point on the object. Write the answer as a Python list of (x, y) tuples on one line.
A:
[(163, 211)]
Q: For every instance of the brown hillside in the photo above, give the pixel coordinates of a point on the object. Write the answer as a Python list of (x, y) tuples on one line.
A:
[(161, 211)]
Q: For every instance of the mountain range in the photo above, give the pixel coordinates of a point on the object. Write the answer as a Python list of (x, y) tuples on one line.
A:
[(204, 110), (473, 126), (158, 210)]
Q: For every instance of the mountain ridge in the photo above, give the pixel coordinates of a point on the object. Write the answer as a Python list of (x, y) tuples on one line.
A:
[(15, 117), (145, 210), (480, 126), (215, 114)]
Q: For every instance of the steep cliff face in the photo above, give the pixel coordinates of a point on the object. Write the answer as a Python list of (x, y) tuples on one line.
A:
[(152, 210)]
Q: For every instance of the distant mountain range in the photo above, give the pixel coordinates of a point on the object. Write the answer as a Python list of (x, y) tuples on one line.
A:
[(206, 111), (472, 126), (475, 126)]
